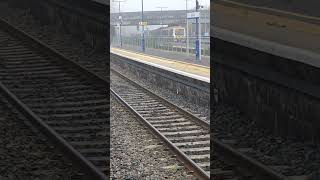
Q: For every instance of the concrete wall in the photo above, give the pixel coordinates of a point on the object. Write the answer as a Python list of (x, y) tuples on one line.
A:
[(86, 20), (279, 94), (192, 90)]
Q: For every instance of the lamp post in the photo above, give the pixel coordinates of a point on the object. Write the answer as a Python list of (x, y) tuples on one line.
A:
[(161, 15), (120, 21), (187, 28), (198, 39), (142, 23)]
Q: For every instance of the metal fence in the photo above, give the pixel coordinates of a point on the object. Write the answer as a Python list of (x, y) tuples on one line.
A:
[(166, 44)]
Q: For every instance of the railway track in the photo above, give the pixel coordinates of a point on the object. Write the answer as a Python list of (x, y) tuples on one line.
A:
[(65, 100), (234, 163), (223, 148), (22, 143), (255, 165), (66, 45), (185, 134), (188, 136)]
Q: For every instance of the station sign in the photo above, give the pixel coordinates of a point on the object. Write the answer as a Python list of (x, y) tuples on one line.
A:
[(193, 15), (143, 23)]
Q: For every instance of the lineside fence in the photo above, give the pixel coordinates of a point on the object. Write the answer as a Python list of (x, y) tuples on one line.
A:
[(166, 44)]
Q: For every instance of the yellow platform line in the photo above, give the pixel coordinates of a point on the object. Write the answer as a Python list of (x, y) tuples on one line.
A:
[(268, 18), (169, 63)]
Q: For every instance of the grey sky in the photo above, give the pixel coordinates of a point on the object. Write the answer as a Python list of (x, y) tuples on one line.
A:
[(150, 5)]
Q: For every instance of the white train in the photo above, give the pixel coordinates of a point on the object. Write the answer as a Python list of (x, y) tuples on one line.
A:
[(177, 33)]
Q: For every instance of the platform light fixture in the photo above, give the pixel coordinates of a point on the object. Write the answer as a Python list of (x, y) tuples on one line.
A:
[(187, 28), (120, 20), (161, 8), (196, 15), (198, 33), (142, 35)]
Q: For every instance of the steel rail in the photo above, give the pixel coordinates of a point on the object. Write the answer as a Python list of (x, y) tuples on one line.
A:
[(81, 161), (37, 44), (192, 117), (189, 163), (248, 162), (236, 156), (76, 157)]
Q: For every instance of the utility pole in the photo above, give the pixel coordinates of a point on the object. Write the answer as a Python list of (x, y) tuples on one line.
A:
[(120, 21), (142, 40), (161, 15)]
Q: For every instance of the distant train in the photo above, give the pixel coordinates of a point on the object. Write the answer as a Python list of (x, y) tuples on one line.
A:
[(177, 33)]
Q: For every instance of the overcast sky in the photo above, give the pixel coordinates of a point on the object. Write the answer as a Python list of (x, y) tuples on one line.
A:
[(151, 5)]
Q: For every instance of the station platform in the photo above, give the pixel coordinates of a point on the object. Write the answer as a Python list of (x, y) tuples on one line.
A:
[(283, 27), (189, 58), (188, 68)]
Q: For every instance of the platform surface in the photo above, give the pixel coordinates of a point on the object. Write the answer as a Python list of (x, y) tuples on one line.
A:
[(178, 56), (287, 28), (202, 72)]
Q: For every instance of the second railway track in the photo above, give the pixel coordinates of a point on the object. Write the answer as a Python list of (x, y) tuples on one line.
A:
[(185, 134), (65, 100)]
